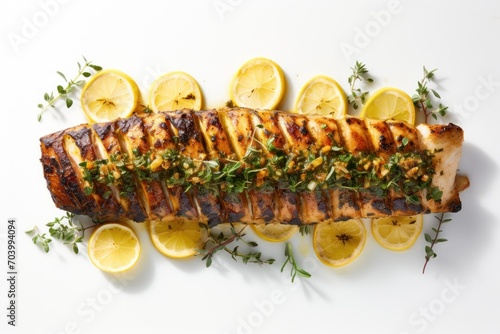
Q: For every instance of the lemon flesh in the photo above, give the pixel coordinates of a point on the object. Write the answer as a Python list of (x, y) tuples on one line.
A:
[(114, 248), (109, 95), (258, 84), (275, 232), (323, 96), (339, 243), (397, 233), (177, 239), (174, 91), (390, 103)]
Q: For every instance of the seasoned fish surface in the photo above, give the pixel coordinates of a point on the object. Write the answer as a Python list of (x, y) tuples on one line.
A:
[(242, 165)]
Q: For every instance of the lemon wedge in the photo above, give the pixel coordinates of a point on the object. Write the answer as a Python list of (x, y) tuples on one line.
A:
[(258, 84), (397, 233), (323, 96), (177, 239), (339, 243), (275, 232), (108, 95), (390, 103), (174, 91), (114, 248)]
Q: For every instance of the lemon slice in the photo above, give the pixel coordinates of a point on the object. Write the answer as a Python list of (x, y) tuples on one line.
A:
[(275, 232), (322, 95), (114, 248), (397, 233), (339, 243), (177, 239), (390, 103), (174, 91), (108, 95), (258, 84)]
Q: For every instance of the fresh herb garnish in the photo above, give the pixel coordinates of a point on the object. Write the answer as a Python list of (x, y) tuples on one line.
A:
[(358, 96), (299, 171), (422, 99), (146, 109), (429, 249), (64, 92), (305, 229), (296, 269), (40, 239), (218, 242), (61, 228)]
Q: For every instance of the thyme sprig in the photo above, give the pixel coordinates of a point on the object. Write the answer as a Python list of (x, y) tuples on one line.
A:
[(218, 242), (358, 96), (429, 249), (62, 228), (64, 92), (296, 269), (422, 100)]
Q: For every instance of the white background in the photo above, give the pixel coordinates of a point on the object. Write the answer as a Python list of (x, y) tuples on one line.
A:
[(381, 292)]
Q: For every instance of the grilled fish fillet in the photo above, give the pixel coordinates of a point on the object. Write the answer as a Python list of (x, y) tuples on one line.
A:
[(242, 165)]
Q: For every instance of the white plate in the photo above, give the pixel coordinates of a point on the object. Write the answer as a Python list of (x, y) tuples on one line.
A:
[(381, 292)]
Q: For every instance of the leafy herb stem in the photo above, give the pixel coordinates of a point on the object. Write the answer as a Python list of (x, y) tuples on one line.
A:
[(358, 96), (40, 239), (429, 249), (296, 269), (62, 228), (64, 92), (422, 99), (219, 242)]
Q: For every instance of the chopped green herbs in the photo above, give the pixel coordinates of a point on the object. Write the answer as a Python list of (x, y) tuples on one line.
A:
[(328, 168)]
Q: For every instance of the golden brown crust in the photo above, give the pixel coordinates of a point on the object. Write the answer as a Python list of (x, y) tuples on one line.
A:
[(53, 169), (82, 138), (227, 135), (108, 136)]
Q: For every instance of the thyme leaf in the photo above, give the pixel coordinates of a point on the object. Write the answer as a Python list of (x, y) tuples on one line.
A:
[(305, 229)]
